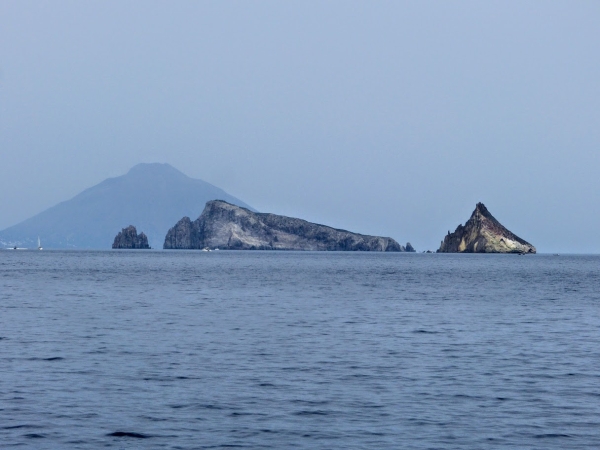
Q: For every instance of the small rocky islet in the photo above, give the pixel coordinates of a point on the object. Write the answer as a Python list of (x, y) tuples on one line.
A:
[(128, 238), (482, 233)]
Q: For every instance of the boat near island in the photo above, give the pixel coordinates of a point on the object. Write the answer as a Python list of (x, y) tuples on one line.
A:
[(39, 244)]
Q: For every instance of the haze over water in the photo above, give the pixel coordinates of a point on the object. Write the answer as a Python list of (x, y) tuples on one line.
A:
[(389, 118), (298, 350)]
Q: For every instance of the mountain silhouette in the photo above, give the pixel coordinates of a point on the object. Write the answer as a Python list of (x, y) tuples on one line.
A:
[(152, 197)]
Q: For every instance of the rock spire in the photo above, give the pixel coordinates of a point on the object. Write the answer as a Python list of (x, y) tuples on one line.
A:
[(482, 233), (128, 238)]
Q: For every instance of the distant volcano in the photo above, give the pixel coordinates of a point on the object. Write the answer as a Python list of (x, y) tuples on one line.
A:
[(150, 196)]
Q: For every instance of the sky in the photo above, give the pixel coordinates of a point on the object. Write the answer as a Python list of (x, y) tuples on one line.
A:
[(391, 118)]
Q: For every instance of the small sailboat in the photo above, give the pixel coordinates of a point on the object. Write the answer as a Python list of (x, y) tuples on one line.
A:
[(39, 244)]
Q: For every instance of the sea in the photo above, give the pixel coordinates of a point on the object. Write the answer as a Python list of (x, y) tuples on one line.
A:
[(298, 350)]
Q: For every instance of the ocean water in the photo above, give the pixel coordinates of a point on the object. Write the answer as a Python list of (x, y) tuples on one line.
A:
[(191, 350)]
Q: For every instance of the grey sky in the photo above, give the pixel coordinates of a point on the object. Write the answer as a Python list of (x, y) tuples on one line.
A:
[(389, 118)]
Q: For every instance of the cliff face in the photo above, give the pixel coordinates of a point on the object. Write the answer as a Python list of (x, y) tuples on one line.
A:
[(128, 238), (226, 226), (484, 234)]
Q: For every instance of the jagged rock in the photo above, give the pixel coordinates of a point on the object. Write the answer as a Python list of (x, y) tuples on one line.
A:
[(410, 248), (226, 226), (483, 234), (128, 238)]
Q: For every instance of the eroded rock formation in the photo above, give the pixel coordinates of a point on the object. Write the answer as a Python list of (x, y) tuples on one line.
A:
[(483, 234), (128, 238), (225, 226)]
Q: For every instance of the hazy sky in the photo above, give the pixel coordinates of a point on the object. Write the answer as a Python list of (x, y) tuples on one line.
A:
[(390, 118)]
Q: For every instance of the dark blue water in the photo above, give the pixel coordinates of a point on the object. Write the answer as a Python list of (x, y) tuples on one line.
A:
[(186, 350)]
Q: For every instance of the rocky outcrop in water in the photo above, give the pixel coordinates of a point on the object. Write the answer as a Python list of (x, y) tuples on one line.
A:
[(483, 234), (128, 238), (228, 227)]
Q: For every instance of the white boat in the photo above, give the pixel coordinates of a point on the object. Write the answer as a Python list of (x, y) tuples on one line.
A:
[(39, 244)]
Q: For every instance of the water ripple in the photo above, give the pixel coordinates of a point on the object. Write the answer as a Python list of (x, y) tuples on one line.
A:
[(182, 350)]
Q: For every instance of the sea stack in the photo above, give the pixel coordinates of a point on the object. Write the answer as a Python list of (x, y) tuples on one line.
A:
[(128, 238), (228, 227), (483, 234)]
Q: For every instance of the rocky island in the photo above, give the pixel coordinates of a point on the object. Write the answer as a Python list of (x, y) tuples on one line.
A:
[(228, 227), (128, 238), (483, 234)]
